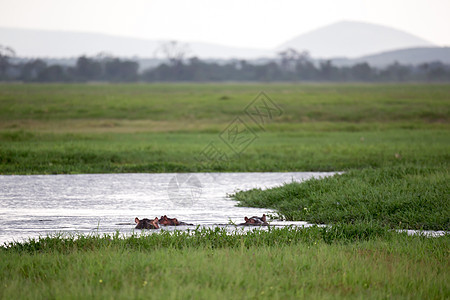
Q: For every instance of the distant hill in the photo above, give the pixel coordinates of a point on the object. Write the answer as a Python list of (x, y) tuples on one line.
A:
[(47, 43), (411, 56), (343, 42), (353, 39)]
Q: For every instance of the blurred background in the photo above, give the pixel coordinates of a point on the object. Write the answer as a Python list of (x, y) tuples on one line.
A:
[(127, 41)]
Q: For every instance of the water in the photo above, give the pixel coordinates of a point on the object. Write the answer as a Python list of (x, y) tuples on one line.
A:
[(37, 205)]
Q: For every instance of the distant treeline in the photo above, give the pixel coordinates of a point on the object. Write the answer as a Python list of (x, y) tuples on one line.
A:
[(289, 66)]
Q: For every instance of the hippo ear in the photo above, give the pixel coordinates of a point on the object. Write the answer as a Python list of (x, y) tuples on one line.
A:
[(263, 218), (246, 219), (136, 220), (156, 219)]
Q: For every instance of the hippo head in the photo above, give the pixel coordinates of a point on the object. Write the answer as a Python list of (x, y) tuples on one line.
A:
[(256, 220), (168, 221), (146, 223), (263, 218)]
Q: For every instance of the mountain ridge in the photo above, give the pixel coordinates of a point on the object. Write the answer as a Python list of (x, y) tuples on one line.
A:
[(32, 43), (408, 56), (364, 38), (51, 43)]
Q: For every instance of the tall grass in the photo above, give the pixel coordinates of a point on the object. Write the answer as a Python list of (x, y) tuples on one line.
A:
[(201, 237)]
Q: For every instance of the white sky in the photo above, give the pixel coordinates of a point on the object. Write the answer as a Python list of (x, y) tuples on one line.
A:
[(243, 23)]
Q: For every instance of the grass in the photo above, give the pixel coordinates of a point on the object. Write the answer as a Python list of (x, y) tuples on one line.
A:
[(281, 263), (194, 107), (203, 237), (54, 128), (392, 141), (404, 196), (203, 103), (48, 153)]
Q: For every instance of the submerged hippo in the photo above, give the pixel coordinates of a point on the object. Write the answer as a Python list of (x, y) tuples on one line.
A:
[(146, 223), (255, 221), (171, 221)]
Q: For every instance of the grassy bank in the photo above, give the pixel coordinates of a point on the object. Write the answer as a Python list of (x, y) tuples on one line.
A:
[(345, 262), (403, 196)]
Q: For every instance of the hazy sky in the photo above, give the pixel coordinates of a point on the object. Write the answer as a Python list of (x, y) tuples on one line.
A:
[(244, 23)]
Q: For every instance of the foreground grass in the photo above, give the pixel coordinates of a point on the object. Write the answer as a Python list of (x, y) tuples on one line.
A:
[(348, 261)]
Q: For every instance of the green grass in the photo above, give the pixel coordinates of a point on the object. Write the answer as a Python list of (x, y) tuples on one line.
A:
[(203, 237), (392, 141), (46, 153), (204, 102), (281, 263), (404, 196), (104, 128)]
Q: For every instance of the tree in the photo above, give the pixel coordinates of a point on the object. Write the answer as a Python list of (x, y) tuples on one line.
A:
[(327, 71), (173, 51), (362, 72), (31, 70), (5, 54), (53, 73), (117, 70), (395, 72), (288, 59), (88, 69)]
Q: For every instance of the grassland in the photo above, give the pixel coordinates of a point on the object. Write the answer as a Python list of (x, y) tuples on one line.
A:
[(392, 141), (47, 129)]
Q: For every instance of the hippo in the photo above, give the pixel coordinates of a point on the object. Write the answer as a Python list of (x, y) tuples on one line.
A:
[(146, 223), (255, 221), (171, 221)]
